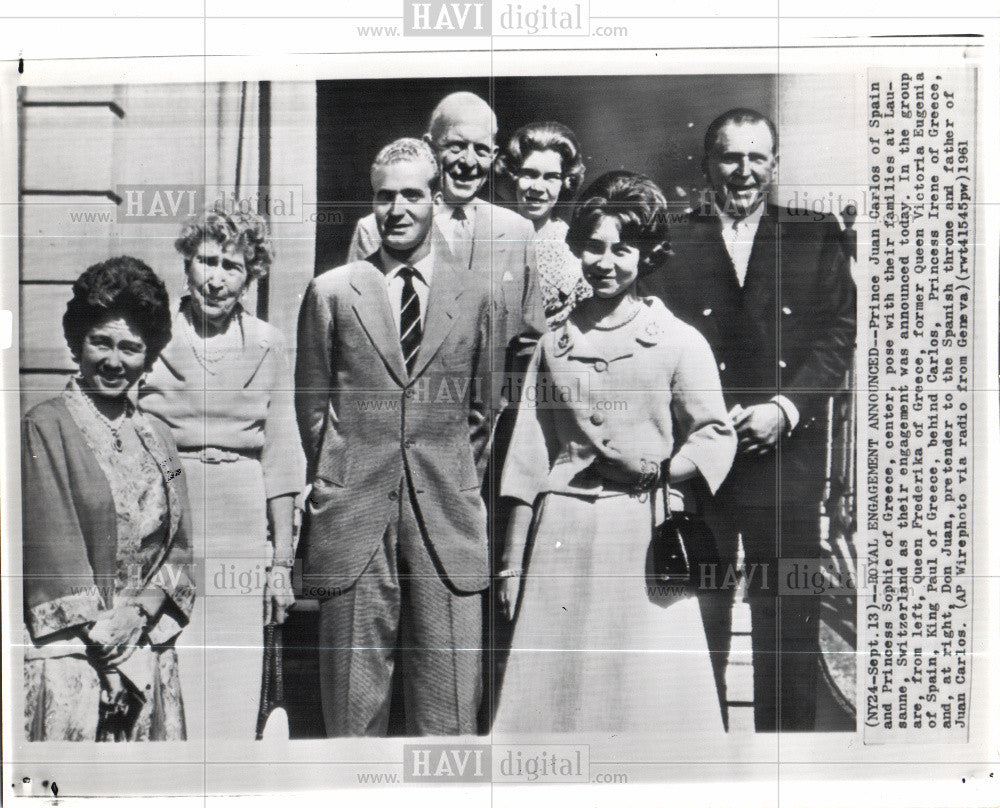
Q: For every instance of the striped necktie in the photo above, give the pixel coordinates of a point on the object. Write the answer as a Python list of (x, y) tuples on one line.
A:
[(461, 238), (410, 331)]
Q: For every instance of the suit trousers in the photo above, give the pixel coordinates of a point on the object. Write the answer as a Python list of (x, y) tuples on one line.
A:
[(401, 610), (784, 625)]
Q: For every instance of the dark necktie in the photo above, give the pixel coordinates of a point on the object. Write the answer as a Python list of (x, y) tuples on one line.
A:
[(410, 331)]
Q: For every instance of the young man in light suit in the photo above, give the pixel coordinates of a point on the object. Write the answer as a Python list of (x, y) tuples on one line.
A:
[(491, 241), (392, 404)]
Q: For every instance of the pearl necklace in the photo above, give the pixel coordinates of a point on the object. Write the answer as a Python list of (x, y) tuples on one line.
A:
[(207, 358), (113, 426)]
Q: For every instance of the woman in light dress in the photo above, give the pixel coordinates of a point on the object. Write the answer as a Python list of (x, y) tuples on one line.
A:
[(624, 397), (223, 386)]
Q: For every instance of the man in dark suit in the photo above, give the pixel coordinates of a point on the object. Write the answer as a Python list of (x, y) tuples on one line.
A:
[(392, 404), (773, 295)]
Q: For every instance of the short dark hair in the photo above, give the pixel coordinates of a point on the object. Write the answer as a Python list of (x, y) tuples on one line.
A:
[(739, 115), (545, 136), (636, 202), (119, 287), (237, 231)]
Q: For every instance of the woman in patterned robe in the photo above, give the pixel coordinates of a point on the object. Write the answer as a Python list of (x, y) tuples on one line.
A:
[(105, 528)]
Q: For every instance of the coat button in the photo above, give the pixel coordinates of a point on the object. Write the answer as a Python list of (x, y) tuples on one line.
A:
[(600, 365), (393, 495), (706, 313), (722, 365), (782, 363), (785, 310), (597, 419)]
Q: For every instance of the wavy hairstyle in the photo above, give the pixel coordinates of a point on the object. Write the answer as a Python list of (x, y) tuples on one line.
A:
[(235, 231), (409, 150), (119, 287), (545, 136), (637, 203)]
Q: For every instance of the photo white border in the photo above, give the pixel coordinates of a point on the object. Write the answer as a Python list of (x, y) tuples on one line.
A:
[(130, 36)]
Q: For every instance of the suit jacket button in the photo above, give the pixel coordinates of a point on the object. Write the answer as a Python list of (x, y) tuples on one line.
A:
[(782, 363), (597, 419), (785, 310), (722, 365), (706, 313), (393, 495)]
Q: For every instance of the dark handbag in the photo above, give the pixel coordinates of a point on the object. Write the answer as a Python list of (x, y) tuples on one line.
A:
[(272, 684), (116, 717), (681, 544)]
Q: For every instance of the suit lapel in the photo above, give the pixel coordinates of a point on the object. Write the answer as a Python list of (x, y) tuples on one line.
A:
[(447, 286), (485, 242), (721, 293), (721, 261), (373, 312), (759, 288)]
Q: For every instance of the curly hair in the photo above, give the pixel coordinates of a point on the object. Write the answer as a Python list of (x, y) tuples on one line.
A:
[(119, 287), (238, 231), (637, 203), (545, 136)]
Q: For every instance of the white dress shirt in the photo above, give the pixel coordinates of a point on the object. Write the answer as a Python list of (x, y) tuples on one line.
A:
[(394, 283), (738, 234)]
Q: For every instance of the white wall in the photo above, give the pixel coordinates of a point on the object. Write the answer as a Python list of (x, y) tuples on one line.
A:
[(170, 135)]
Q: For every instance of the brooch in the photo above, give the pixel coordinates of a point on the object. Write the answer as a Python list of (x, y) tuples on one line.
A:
[(650, 335), (563, 344)]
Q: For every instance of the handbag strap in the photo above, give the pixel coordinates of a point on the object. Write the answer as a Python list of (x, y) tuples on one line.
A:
[(664, 489), (661, 491), (668, 516)]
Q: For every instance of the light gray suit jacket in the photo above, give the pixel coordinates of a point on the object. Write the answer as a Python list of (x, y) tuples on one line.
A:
[(503, 253), (365, 422)]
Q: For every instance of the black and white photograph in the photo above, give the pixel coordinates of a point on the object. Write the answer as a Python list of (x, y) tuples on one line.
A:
[(539, 420)]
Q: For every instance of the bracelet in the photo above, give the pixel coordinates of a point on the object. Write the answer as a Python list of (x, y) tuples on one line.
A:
[(512, 572), (649, 476)]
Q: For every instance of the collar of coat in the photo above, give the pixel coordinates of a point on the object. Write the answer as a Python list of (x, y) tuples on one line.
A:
[(647, 329)]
